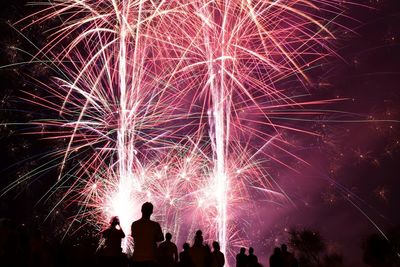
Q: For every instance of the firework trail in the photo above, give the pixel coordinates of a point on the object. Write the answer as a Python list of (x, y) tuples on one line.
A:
[(182, 103)]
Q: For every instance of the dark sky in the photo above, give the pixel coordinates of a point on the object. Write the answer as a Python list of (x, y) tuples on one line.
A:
[(354, 178), (361, 157)]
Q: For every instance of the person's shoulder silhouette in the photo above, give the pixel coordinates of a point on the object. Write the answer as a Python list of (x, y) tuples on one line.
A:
[(146, 233), (198, 239), (113, 236), (199, 253), (167, 252), (252, 259), (217, 257), (276, 258), (184, 257), (111, 251), (241, 258), (288, 259)]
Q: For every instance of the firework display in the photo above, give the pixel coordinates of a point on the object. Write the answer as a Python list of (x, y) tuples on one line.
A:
[(190, 105)]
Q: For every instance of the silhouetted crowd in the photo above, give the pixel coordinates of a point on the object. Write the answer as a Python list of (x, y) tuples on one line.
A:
[(151, 249), (282, 258), (147, 233)]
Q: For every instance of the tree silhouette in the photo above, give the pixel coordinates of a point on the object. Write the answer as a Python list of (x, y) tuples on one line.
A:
[(311, 249), (381, 252), (309, 246)]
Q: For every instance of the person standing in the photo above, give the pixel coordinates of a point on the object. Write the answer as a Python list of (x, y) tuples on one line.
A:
[(288, 259), (199, 253), (184, 257), (113, 236), (217, 257), (241, 258), (276, 258), (111, 252), (252, 259), (145, 234), (167, 252)]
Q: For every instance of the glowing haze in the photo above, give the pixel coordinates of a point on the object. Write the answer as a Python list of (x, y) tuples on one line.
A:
[(187, 104)]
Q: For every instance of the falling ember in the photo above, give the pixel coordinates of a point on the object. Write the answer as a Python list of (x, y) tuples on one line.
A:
[(181, 103)]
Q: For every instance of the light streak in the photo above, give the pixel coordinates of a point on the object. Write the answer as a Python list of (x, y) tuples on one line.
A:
[(181, 103)]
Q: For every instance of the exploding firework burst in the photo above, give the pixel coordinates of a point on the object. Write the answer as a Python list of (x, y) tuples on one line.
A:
[(187, 104)]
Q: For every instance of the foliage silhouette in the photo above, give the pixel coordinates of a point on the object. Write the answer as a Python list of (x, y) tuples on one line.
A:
[(311, 251), (380, 252)]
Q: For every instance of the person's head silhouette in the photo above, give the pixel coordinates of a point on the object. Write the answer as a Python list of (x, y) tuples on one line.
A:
[(277, 251), (216, 246), (168, 236), (186, 247), (147, 209), (114, 221), (284, 248), (251, 251), (242, 250), (198, 238)]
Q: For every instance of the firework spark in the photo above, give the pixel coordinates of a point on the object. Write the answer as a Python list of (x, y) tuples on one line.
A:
[(188, 104)]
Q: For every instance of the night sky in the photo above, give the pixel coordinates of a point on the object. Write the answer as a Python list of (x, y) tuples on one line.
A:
[(354, 178)]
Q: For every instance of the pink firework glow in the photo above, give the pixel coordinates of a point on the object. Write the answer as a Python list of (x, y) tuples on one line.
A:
[(187, 104)]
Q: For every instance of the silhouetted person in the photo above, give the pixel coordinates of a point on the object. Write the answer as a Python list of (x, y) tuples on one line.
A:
[(276, 259), (242, 258), (199, 253), (184, 257), (113, 236), (252, 259), (288, 260), (112, 251), (167, 252), (145, 233), (217, 257)]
